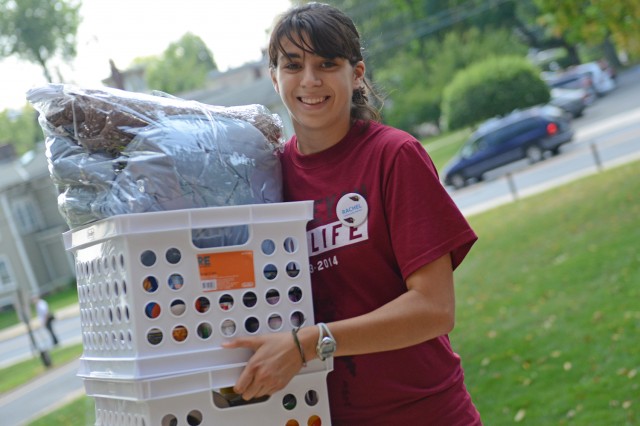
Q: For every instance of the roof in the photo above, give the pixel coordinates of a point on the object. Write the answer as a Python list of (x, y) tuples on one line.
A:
[(30, 166), (12, 174), (260, 91)]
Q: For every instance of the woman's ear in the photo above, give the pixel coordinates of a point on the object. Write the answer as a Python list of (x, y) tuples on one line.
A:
[(358, 72), (274, 80)]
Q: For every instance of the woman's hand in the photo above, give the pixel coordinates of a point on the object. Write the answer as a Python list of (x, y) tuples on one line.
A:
[(275, 361)]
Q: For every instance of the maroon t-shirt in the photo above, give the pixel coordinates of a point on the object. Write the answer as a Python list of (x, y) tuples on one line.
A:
[(361, 253)]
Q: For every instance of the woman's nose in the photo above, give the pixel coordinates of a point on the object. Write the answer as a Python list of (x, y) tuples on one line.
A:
[(310, 78)]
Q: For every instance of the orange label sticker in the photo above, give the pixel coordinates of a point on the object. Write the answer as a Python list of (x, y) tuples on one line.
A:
[(226, 271)]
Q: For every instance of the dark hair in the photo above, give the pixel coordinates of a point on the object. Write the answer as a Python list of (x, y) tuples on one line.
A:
[(325, 31)]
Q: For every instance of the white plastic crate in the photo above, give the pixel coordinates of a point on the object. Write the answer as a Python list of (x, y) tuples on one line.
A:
[(304, 402), (180, 384), (153, 304)]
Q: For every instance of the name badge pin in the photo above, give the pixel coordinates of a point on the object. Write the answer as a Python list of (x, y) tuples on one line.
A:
[(352, 209)]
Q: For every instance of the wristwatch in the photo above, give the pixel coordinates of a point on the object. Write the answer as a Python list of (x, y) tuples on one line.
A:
[(326, 343)]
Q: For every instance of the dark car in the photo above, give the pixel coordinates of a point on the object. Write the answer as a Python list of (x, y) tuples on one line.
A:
[(526, 133)]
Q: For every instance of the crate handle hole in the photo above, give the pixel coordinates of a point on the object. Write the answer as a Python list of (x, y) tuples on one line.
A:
[(227, 398), (225, 236)]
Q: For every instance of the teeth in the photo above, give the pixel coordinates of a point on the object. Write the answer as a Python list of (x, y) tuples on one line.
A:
[(312, 101)]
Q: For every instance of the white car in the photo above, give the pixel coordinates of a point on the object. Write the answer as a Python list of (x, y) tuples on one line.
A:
[(601, 80), (574, 101)]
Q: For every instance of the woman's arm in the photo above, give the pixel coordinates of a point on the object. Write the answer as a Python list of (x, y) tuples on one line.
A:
[(425, 311)]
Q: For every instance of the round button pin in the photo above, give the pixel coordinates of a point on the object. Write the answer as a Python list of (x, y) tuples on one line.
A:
[(352, 209)]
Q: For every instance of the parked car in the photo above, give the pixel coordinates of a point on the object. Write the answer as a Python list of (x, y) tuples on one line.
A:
[(527, 133), (608, 68), (573, 101), (574, 81), (602, 81)]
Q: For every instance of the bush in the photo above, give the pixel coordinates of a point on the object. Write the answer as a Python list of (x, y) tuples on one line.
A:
[(414, 82), (493, 87)]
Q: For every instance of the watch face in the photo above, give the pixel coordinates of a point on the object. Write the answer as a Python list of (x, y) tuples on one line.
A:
[(327, 347)]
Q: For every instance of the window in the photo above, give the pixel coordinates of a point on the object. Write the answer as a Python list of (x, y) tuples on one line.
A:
[(26, 215), (6, 275)]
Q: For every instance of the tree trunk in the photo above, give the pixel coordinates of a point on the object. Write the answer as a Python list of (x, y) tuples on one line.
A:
[(610, 53), (572, 53), (45, 69)]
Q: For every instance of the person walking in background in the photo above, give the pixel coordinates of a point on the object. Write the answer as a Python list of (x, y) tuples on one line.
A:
[(383, 243), (46, 318)]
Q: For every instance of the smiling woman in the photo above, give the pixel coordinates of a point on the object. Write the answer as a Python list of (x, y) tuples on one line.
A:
[(384, 241)]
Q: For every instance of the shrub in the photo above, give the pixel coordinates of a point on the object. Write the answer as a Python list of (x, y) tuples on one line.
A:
[(493, 87), (413, 83)]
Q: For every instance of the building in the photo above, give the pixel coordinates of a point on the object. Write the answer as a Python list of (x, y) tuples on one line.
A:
[(32, 254)]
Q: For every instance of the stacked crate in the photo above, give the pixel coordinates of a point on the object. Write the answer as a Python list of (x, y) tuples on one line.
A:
[(159, 292)]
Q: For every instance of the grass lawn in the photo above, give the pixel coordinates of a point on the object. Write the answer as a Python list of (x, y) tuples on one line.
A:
[(24, 371), (548, 311), (80, 412)]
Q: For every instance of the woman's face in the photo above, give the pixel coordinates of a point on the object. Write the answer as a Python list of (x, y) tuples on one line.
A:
[(317, 91)]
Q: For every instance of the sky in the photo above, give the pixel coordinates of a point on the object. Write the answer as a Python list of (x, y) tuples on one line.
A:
[(234, 30)]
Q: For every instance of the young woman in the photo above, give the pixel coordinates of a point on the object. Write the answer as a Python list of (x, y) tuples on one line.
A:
[(384, 242)]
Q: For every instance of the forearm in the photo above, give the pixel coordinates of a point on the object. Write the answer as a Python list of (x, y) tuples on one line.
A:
[(425, 311), (406, 321)]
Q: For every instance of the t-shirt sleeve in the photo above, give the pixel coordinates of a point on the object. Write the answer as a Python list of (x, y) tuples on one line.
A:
[(424, 222)]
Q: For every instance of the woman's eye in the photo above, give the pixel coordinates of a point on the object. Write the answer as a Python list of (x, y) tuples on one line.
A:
[(292, 66), (328, 64)]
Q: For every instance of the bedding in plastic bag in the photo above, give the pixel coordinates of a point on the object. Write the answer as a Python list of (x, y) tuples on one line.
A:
[(113, 152)]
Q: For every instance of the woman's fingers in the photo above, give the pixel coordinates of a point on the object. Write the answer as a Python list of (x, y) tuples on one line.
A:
[(274, 362)]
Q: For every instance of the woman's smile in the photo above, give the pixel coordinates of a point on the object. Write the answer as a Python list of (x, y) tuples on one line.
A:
[(313, 100)]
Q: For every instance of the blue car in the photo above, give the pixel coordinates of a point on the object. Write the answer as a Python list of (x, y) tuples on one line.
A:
[(527, 133)]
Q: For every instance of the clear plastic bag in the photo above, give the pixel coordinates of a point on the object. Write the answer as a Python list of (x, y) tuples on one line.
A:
[(113, 152)]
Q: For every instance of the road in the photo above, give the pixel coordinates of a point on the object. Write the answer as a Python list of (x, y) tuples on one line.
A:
[(18, 347), (611, 125)]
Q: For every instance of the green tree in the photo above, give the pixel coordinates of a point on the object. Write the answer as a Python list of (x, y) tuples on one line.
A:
[(528, 27), (415, 89), (414, 47), (183, 66), (594, 22), (392, 26), (39, 30), (20, 129)]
